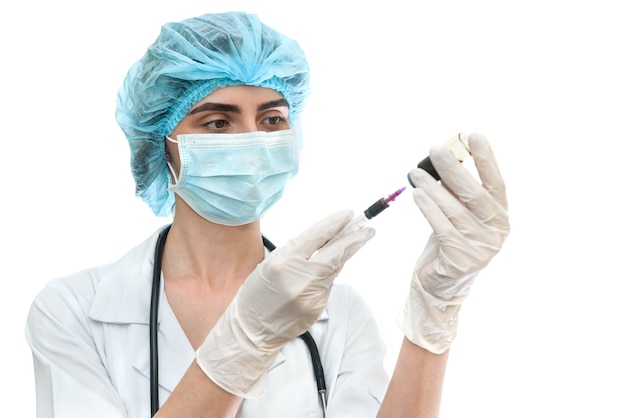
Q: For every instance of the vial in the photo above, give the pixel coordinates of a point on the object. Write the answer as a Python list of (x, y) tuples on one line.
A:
[(458, 145)]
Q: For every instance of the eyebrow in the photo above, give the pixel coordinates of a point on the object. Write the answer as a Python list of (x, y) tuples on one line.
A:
[(272, 104), (221, 107)]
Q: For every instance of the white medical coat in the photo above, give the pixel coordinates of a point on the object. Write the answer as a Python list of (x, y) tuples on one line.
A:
[(89, 334)]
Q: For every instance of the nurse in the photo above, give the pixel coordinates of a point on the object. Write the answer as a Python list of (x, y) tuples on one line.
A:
[(211, 115)]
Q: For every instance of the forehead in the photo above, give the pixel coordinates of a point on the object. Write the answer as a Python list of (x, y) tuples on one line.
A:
[(241, 95)]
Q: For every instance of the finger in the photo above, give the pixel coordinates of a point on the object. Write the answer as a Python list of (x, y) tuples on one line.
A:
[(439, 221), (448, 206), (445, 199), (487, 167), (342, 249), (444, 210), (319, 233), (463, 185), (325, 264), (328, 262)]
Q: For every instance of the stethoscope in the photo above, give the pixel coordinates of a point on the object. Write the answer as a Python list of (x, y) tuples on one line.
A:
[(154, 351)]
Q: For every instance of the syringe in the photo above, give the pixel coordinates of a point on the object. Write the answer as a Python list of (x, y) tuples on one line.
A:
[(376, 208)]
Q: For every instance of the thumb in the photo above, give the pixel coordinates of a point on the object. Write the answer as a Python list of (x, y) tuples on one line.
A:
[(316, 236)]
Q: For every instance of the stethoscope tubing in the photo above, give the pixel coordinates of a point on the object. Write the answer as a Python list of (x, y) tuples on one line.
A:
[(318, 370), (154, 319)]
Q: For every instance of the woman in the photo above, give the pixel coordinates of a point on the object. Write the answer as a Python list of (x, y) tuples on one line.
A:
[(211, 114)]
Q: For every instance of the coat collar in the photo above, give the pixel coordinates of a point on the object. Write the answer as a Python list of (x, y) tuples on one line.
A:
[(123, 295), (124, 290)]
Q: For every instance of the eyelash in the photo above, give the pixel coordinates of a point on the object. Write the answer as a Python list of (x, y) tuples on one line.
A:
[(211, 124), (272, 121), (280, 120)]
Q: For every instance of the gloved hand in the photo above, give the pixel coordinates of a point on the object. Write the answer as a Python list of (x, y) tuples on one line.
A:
[(470, 223), (280, 300)]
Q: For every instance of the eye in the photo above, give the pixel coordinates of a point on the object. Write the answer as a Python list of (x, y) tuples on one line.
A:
[(276, 121), (217, 124)]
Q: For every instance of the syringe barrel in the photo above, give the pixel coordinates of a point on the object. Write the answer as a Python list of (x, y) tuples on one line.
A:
[(376, 208)]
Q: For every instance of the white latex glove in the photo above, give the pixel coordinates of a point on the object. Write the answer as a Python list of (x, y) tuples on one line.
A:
[(470, 223), (280, 300)]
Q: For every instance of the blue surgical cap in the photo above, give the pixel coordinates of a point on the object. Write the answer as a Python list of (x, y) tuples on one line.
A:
[(188, 61)]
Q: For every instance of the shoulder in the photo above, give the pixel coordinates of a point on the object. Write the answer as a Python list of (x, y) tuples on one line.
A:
[(61, 309), (74, 292), (66, 302)]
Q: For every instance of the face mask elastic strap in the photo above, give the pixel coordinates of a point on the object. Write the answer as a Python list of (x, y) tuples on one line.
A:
[(173, 174), (170, 165)]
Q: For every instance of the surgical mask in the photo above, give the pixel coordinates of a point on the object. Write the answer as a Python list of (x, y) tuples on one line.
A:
[(232, 179)]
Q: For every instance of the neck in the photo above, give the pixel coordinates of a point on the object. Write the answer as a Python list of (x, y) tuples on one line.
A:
[(200, 250)]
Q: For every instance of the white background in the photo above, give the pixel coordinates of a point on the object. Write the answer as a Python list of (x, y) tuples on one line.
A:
[(542, 333)]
